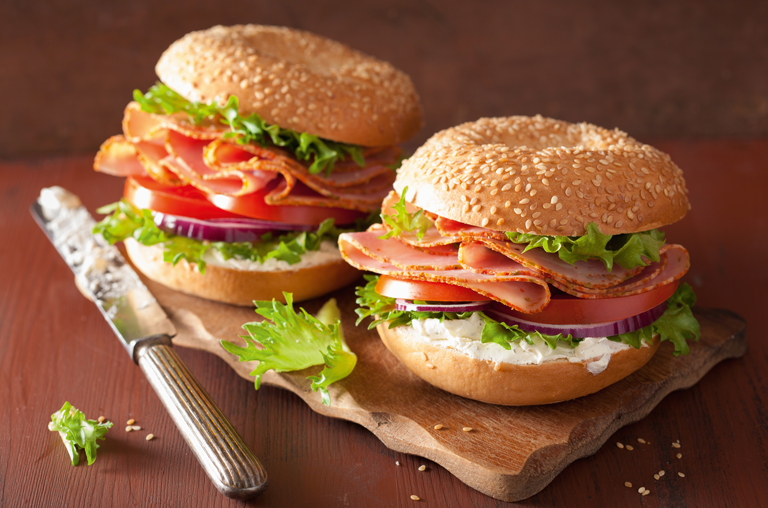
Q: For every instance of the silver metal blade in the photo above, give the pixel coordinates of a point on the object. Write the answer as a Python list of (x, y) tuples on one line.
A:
[(124, 301)]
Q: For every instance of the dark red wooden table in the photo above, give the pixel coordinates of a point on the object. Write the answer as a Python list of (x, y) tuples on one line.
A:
[(54, 346)]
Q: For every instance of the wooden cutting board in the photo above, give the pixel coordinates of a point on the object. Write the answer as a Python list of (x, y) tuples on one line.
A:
[(512, 453)]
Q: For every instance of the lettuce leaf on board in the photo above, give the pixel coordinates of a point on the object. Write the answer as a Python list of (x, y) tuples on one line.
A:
[(127, 221), (676, 325), (324, 153), (628, 251), (77, 432), (288, 341)]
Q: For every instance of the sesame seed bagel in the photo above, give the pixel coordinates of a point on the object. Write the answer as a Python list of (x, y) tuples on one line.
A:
[(240, 287), (508, 384), (297, 80), (543, 176)]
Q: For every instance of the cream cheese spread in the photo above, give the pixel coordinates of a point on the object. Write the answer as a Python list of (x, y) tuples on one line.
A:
[(328, 253), (464, 335)]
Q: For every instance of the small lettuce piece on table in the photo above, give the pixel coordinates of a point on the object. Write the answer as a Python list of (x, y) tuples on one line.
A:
[(77, 432), (288, 341), (403, 221), (628, 251), (324, 153)]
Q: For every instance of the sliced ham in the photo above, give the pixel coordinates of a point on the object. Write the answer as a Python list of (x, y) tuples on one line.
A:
[(676, 263), (118, 157), (448, 227), (188, 163), (174, 151), (478, 258), (399, 254), (590, 274), (139, 125), (520, 292)]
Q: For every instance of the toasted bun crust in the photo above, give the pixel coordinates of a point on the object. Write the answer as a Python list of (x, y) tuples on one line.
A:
[(508, 384), (240, 287), (543, 176), (297, 80)]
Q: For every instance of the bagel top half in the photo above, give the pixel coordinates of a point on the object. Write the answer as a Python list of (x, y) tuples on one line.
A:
[(297, 80), (545, 177)]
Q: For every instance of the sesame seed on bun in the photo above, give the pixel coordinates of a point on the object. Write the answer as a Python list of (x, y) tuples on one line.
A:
[(297, 80), (543, 176)]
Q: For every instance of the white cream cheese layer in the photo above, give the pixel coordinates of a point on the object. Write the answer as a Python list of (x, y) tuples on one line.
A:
[(464, 335), (328, 253)]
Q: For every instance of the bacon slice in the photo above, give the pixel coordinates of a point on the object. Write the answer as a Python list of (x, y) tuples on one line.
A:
[(525, 293)]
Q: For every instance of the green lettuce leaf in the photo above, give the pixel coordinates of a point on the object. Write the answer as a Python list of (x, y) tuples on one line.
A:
[(628, 251), (402, 221), (676, 325), (127, 221), (324, 153), (288, 341), (77, 432)]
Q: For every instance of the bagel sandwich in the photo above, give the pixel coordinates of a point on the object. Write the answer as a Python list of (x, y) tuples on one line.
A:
[(520, 260), (258, 146)]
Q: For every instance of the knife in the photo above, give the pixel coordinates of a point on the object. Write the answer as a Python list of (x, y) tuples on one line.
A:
[(145, 332)]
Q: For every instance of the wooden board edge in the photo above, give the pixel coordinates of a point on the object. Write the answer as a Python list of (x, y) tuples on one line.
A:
[(499, 485), (587, 443)]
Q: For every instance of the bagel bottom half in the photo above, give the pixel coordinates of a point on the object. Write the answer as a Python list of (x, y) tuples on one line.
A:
[(240, 287), (504, 383)]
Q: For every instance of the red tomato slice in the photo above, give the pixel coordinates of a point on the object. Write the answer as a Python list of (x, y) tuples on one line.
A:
[(421, 290), (563, 309), (187, 201), (253, 205)]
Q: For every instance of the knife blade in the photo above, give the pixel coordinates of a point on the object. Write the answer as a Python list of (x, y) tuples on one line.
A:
[(145, 332)]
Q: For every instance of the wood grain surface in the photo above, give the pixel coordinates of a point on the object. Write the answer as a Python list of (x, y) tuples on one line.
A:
[(54, 346), (511, 453)]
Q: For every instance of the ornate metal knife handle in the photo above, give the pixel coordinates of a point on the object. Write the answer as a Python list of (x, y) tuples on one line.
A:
[(225, 457)]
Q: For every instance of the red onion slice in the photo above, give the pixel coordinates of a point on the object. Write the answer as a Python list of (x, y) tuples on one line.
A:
[(401, 304), (627, 325), (222, 230)]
